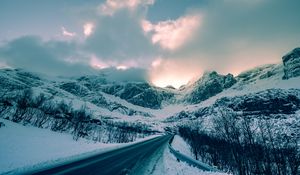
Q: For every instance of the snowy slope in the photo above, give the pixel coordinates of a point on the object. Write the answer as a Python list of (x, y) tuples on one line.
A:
[(252, 81), (26, 147)]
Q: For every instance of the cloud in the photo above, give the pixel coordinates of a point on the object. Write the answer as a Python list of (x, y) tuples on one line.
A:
[(51, 57), (67, 33), (227, 36), (111, 6), (168, 71), (97, 63), (3, 65), (110, 41), (88, 28), (125, 75), (60, 58), (238, 35), (172, 34), (119, 39)]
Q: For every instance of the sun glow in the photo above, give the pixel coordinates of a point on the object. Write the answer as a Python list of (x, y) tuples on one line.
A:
[(169, 81), (96, 63), (165, 72), (122, 67)]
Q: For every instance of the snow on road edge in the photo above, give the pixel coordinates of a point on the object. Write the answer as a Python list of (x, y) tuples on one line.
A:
[(173, 167), (180, 145)]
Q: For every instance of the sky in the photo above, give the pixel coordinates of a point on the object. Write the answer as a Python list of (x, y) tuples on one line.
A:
[(163, 42)]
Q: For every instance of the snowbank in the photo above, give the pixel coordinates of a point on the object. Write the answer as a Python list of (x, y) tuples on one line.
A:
[(180, 145), (172, 166)]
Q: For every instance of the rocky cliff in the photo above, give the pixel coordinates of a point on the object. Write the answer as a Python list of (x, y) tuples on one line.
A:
[(291, 63)]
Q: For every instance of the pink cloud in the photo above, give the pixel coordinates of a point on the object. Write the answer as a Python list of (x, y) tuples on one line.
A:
[(172, 34), (88, 28), (98, 63), (67, 33)]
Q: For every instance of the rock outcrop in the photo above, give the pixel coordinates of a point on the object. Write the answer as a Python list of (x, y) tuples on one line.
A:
[(291, 63), (271, 101)]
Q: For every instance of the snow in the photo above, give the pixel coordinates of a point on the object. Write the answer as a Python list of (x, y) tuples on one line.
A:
[(173, 167), (24, 148), (159, 114), (167, 111), (180, 145)]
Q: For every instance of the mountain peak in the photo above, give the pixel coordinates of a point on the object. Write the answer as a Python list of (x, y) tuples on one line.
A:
[(210, 84)]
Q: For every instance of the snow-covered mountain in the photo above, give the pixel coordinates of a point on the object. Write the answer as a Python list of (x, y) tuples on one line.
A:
[(264, 90), (210, 84)]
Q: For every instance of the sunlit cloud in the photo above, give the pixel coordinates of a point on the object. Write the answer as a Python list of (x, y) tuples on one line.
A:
[(172, 34), (111, 6), (156, 62), (96, 63), (165, 72), (88, 28), (67, 33), (122, 67), (147, 26)]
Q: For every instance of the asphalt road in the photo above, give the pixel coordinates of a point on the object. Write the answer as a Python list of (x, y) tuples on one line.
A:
[(125, 160)]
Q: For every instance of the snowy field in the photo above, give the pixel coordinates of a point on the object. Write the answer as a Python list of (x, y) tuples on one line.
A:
[(24, 148)]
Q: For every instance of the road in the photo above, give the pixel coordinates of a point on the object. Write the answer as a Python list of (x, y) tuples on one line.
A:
[(126, 160)]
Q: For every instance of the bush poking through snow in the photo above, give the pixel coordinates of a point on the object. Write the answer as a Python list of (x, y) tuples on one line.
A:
[(242, 146), (41, 111)]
